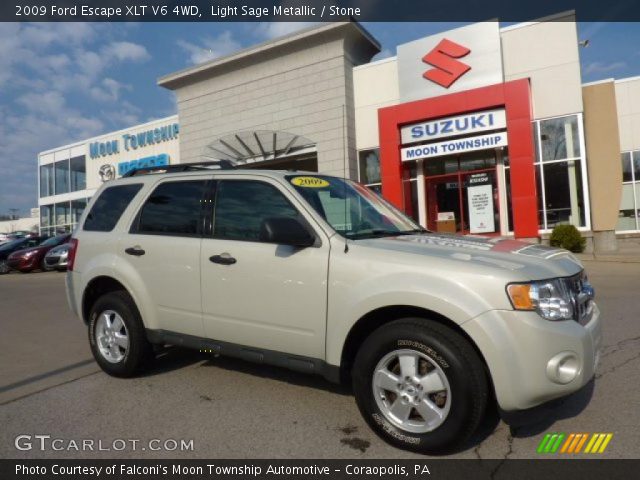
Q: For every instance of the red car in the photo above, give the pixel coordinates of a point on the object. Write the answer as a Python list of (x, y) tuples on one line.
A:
[(32, 258)]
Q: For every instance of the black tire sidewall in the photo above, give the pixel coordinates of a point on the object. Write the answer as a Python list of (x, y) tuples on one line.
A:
[(467, 394), (138, 351)]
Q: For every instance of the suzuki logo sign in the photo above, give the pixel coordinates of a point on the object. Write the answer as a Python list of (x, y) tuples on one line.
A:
[(461, 59), (447, 69)]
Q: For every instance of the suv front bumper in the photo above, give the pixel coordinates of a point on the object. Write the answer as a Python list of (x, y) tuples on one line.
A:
[(532, 360)]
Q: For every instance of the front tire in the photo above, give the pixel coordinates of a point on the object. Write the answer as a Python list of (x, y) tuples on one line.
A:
[(420, 385), (117, 336)]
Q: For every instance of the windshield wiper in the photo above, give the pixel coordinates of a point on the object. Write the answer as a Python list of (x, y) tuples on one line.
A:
[(378, 233), (411, 232)]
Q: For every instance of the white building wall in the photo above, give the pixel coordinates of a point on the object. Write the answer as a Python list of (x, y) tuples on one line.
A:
[(628, 106), (548, 54), (375, 86)]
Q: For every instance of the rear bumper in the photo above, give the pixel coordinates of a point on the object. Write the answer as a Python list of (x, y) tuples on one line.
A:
[(71, 295), (531, 360)]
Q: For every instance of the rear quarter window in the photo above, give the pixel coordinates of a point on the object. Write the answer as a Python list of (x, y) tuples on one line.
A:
[(108, 207)]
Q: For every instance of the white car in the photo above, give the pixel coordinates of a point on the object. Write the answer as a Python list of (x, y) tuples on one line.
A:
[(319, 274)]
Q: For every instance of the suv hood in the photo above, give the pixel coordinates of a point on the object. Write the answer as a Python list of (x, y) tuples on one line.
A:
[(532, 260)]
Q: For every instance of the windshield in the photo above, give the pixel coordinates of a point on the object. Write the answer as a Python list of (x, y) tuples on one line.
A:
[(53, 241), (352, 209)]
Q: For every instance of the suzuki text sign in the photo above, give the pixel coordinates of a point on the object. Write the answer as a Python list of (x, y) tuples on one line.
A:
[(461, 59), (453, 126)]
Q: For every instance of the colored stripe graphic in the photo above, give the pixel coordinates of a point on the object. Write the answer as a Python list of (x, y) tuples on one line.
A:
[(550, 443), (574, 442)]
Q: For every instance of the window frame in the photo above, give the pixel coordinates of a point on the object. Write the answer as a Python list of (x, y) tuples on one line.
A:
[(539, 164), (635, 184), (209, 185), (210, 234)]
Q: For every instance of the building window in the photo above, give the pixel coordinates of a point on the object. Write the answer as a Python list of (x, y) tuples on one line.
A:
[(46, 216), (62, 176), (46, 180), (560, 173), (63, 213), (369, 169), (78, 173), (77, 207), (629, 213)]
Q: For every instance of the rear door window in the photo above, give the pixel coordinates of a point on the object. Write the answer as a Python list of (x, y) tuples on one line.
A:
[(174, 208), (108, 208)]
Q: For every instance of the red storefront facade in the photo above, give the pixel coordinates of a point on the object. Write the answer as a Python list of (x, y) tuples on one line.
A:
[(514, 97)]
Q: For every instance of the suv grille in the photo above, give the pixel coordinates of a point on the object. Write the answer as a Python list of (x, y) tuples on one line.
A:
[(581, 296)]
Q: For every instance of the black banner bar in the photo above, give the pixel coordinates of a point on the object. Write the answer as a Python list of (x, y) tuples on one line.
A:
[(427, 468), (312, 10)]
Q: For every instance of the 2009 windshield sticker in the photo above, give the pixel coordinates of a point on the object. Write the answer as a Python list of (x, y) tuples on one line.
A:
[(309, 182)]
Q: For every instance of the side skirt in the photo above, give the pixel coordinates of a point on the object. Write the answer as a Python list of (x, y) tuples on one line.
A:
[(297, 363)]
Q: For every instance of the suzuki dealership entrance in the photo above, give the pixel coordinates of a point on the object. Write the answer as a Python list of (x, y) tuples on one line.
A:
[(462, 194), (461, 187)]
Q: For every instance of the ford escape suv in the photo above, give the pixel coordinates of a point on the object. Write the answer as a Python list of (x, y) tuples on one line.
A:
[(318, 274)]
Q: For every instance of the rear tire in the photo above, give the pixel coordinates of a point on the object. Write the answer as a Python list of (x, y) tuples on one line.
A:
[(117, 335), (420, 385)]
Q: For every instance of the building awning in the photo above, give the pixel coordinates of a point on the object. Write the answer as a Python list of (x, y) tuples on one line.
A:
[(257, 146)]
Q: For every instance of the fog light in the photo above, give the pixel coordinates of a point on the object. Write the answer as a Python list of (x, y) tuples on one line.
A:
[(563, 368)]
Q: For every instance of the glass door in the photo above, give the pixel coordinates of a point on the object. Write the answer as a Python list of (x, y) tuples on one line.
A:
[(463, 203), (443, 204)]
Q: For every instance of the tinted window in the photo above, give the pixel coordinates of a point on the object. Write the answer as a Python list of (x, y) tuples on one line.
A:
[(108, 208), (173, 208), (241, 206)]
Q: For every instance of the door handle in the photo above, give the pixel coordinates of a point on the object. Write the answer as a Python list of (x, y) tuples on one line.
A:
[(223, 259), (135, 251)]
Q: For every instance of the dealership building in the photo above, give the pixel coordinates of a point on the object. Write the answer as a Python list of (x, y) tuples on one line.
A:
[(481, 129), (71, 174)]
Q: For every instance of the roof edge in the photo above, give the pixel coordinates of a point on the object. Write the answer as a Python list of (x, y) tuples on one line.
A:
[(171, 79)]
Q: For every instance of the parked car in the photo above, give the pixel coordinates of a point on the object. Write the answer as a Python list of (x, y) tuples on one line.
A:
[(32, 258), (14, 245), (318, 274), (56, 258)]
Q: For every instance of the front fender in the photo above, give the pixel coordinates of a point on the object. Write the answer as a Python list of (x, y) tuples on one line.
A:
[(351, 301)]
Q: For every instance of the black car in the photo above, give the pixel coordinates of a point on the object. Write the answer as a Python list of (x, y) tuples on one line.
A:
[(14, 245)]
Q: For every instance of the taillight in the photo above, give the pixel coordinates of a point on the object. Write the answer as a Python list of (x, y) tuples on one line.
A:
[(71, 256)]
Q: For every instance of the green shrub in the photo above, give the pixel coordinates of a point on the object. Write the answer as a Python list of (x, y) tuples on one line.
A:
[(567, 236)]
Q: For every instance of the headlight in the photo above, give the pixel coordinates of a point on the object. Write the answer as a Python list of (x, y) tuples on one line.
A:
[(29, 254), (551, 299)]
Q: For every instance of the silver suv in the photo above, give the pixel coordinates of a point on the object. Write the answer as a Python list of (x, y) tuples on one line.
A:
[(319, 274)]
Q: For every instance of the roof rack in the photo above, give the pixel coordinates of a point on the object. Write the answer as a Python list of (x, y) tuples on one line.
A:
[(182, 167)]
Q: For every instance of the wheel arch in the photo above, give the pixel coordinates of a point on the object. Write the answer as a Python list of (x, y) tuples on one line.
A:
[(96, 288), (374, 319)]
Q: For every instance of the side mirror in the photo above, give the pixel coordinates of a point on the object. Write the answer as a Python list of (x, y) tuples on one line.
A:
[(285, 231)]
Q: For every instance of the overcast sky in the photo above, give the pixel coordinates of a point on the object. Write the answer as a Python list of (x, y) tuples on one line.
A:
[(61, 83)]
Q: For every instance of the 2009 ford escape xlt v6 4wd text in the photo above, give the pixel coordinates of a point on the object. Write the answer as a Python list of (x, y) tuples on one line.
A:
[(319, 274)]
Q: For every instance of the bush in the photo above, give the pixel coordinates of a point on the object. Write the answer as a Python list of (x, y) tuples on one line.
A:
[(567, 236)]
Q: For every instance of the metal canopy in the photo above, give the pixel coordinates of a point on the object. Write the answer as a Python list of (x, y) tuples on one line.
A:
[(256, 146)]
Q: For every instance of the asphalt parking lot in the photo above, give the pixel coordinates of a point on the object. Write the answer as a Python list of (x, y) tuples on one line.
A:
[(231, 409)]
